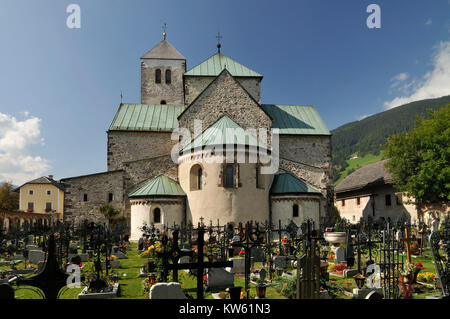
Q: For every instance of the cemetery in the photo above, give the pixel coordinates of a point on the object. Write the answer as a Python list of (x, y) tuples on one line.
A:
[(373, 259)]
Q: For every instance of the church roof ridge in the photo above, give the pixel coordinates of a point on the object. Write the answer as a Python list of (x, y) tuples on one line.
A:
[(163, 50), (216, 63)]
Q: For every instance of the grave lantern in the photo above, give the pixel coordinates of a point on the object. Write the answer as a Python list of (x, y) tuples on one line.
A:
[(261, 291), (279, 271), (360, 280)]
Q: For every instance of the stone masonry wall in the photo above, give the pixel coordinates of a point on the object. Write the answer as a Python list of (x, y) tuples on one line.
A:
[(154, 93), (140, 171), (130, 146), (310, 150), (225, 97), (194, 85), (97, 187)]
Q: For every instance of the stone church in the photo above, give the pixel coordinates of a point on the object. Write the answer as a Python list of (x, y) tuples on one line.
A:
[(148, 185)]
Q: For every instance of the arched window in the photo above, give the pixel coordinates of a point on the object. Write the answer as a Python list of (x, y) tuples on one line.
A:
[(196, 177), (157, 215), (295, 210), (168, 76), (158, 76)]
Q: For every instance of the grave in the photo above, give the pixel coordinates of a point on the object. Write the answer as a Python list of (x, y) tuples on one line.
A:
[(171, 290), (35, 256), (340, 255), (219, 278), (238, 265), (99, 295), (281, 261), (258, 254), (83, 257)]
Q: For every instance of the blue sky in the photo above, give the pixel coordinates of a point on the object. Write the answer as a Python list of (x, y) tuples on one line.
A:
[(60, 87)]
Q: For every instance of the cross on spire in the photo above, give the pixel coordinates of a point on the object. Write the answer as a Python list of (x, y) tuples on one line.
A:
[(164, 27), (218, 37)]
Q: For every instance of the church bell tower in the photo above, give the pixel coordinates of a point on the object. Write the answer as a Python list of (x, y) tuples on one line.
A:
[(162, 70)]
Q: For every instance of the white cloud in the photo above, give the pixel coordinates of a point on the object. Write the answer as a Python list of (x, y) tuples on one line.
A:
[(429, 22), (434, 84), (398, 79), (16, 164)]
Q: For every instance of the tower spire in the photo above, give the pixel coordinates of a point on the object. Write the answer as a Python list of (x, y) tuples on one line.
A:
[(219, 37), (164, 27)]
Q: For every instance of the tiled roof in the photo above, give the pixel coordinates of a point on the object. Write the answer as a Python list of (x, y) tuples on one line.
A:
[(215, 64), (45, 180), (369, 175), (296, 119), (164, 50), (146, 117), (159, 186), (286, 183)]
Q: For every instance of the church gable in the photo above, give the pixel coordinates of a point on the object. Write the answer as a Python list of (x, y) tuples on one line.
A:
[(225, 96)]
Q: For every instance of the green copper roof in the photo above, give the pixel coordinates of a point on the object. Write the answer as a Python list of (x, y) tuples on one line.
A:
[(215, 64), (159, 186), (286, 183), (217, 134), (296, 119), (146, 117)]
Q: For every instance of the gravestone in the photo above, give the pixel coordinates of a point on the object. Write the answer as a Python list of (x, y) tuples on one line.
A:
[(184, 259), (6, 292), (281, 262), (41, 266), (340, 255), (219, 278), (30, 239), (83, 257), (163, 290), (238, 265), (116, 252), (262, 274), (258, 254), (35, 256), (141, 244)]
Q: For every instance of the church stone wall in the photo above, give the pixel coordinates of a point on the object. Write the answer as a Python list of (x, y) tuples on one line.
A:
[(97, 187), (140, 171), (310, 150), (154, 93), (194, 85), (130, 146), (225, 97)]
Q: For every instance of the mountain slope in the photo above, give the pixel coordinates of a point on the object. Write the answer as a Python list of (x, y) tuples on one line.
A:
[(370, 134)]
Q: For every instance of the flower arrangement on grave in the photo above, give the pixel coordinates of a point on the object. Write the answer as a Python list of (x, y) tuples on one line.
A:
[(242, 253), (427, 277), (340, 268), (414, 248)]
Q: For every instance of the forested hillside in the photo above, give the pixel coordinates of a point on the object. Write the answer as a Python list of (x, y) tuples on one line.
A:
[(370, 134)]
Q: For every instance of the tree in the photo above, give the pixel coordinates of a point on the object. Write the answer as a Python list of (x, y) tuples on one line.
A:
[(112, 215), (419, 160), (9, 199)]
